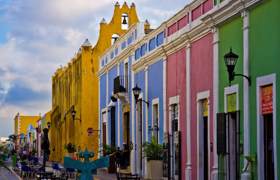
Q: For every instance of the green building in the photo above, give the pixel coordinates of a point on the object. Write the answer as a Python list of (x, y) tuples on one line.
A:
[(247, 110)]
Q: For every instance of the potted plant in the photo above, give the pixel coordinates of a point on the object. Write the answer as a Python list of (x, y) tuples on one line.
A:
[(154, 154), (110, 151), (70, 149)]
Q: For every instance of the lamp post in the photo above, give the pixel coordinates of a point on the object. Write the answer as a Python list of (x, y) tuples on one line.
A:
[(73, 113), (230, 62), (136, 92)]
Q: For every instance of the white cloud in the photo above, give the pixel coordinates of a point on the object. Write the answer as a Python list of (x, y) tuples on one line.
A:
[(45, 34)]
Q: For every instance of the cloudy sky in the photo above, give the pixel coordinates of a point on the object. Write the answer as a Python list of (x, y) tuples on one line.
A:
[(37, 36)]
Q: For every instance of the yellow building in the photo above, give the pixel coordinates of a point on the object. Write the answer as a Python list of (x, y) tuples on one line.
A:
[(21, 124), (42, 123), (75, 88)]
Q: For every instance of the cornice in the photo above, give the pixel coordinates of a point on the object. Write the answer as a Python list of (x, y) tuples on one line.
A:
[(226, 10), (147, 60), (125, 54)]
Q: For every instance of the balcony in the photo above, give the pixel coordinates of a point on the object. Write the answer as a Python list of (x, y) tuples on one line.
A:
[(120, 92)]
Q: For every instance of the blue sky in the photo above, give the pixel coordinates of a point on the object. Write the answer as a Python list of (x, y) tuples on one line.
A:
[(36, 37)]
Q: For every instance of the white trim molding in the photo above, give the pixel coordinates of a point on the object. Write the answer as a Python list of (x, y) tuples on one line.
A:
[(246, 107), (133, 120), (263, 81), (188, 168), (215, 32), (205, 95), (231, 90), (164, 96), (174, 100)]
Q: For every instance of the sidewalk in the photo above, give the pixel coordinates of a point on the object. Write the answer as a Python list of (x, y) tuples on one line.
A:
[(105, 177), (7, 175)]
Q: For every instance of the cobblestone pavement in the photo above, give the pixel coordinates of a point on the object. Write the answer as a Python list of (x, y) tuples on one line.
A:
[(6, 175), (105, 177)]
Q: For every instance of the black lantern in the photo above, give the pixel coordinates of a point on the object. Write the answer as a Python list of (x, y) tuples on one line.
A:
[(136, 91), (73, 113), (114, 99), (230, 61), (49, 125)]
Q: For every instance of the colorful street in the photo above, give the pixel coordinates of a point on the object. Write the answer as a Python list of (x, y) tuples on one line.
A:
[(144, 90)]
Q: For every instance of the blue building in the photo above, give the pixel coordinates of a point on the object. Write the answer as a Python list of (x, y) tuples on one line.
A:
[(126, 122), (115, 117)]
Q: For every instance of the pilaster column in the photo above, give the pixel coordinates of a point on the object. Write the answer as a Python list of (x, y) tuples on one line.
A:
[(215, 32), (146, 116), (188, 171), (133, 120), (119, 113), (164, 96), (245, 15)]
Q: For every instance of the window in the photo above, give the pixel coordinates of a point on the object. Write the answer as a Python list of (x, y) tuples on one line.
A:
[(114, 38), (106, 60), (135, 34), (160, 39), (104, 127), (126, 75), (143, 49), (152, 44), (156, 122), (112, 55), (137, 54), (123, 45), (174, 117), (129, 40), (125, 21), (116, 51)]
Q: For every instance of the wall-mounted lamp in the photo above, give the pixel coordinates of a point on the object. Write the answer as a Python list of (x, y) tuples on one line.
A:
[(73, 113), (136, 92), (230, 61)]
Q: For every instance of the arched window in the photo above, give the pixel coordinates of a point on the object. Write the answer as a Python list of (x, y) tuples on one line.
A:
[(114, 38), (125, 21)]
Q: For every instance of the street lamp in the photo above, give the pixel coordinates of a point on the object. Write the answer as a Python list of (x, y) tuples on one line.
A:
[(73, 114), (49, 125), (136, 91), (230, 62)]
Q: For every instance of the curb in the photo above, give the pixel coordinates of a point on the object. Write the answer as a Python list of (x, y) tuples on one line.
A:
[(11, 169)]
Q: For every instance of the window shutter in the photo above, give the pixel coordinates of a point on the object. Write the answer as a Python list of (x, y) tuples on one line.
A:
[(221, 133)]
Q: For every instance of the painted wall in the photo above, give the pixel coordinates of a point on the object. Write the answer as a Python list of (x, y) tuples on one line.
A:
[(201, 77), (155, 90), (103, 91), (139, 79), (176, 86), (264, 45), (230, 36)]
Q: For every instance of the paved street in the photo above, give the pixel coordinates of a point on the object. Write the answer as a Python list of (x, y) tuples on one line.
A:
[(6, 175), (105, 177)]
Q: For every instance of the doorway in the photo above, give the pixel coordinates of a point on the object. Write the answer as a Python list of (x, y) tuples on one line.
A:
[(113, 126), (268, 147), (233, 145), (175, 143), (205, 147), (139, 138), (104, 128), (203, 142)]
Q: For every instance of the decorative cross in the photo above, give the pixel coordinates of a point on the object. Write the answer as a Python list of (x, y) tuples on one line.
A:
[(86, 167)]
